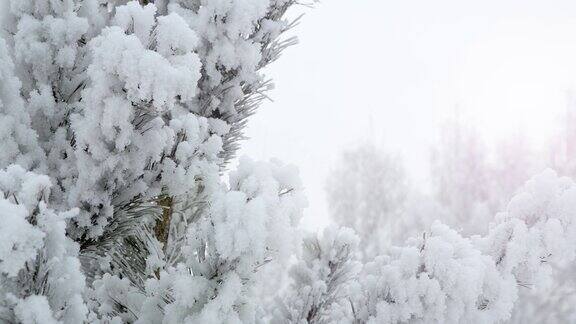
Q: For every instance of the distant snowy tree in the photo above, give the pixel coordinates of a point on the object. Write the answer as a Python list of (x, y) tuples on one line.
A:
[(420, 212), (367, 192), (473, 180), (118, 119), (562, 145), (514, 162), (461, 176)]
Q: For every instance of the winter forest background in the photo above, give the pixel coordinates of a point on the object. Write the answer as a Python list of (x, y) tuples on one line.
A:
[(147, 176)]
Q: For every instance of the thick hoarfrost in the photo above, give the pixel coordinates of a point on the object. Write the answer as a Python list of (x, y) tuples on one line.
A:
[(39, 264), (118, 120)]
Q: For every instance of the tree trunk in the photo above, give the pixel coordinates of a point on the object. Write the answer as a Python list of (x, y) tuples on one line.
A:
[(162, 228)]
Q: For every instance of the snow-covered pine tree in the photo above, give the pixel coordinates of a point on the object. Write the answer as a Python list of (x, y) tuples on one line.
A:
[(118, 118)]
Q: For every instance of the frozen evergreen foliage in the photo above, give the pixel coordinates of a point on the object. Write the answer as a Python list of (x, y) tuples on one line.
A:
[(322, 279), (118, 118)]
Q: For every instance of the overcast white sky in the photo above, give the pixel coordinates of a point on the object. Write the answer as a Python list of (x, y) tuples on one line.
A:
[(391, 71)]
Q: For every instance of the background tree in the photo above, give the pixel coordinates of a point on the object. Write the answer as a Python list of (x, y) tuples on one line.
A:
[(367, 192), (460, 175)]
